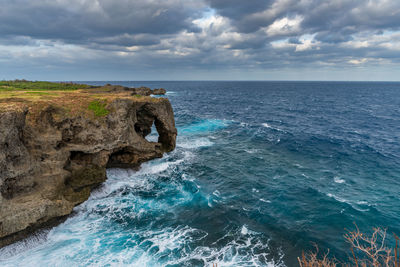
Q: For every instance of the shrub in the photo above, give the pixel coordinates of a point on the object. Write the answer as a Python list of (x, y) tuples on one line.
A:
[(365, 251)]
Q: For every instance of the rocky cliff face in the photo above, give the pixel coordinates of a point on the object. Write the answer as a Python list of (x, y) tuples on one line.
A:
[(50, 161)]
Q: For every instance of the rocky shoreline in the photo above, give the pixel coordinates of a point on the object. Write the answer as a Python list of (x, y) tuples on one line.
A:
[(51, 157)]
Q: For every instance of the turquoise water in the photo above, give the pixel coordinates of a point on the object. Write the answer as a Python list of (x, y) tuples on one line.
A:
[(261, 170)]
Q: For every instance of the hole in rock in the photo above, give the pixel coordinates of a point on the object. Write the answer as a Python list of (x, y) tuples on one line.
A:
[(153, 136), (78, 159), (148, 132), (123, 158)]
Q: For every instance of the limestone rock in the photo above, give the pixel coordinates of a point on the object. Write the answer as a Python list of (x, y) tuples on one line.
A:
[(159, 91), (50, 162)]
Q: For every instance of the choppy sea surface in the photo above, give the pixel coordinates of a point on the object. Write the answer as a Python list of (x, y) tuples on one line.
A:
[(261, 170)]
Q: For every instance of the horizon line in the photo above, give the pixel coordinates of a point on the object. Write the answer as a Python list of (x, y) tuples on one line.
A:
[(390, 81), (194, 80)]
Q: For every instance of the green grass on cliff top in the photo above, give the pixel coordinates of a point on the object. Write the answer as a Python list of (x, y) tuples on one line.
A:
[(76, 98), (23, 85), (99, 108)]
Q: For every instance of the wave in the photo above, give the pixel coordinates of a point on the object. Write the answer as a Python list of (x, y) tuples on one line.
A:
[(90, 239), (251, 151), (143, 178), (266, 125), (338, 198), (242, 247), (168, 93), (357, 205), (338, 180), (196, 143), (115, 213)]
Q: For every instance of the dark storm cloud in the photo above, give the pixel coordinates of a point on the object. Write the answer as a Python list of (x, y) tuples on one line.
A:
[(333, 37), (243, 14), (129, 40), (344, 18), (18, 40), (83, 20), (237, 9)]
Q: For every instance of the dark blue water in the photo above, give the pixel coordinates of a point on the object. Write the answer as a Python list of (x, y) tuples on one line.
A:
[(261, 170)]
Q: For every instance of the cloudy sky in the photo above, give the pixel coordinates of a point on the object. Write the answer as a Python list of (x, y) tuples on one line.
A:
[(200, 39)]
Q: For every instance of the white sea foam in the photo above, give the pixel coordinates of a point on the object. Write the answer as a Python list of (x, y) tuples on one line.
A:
[(196, 143), (337, 198), (251, 151), (266, 125), (298, 165), (142, 179), (210, 202), (264, 200), (188, 177), (30, 242), (147, 169), (83, 241), (353, 204), (244, 230), (338, 180), (246, 249), (120, 178), (217, 193)]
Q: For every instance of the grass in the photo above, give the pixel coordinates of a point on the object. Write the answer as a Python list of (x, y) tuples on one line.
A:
[(99, 108), (23, 85), (73, 99), (37, 93)]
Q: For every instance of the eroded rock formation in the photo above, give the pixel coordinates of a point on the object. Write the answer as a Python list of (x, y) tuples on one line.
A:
[(50, 161)]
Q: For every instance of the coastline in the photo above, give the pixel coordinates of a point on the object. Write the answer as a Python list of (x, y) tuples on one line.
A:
[(57, 145)]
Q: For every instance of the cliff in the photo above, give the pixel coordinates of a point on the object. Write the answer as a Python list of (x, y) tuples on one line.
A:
[(55, 147)]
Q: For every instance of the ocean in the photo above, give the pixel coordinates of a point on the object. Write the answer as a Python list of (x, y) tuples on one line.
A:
[(262, 170)]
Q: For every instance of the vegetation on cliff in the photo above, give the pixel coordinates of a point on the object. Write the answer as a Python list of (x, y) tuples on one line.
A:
[(99, 108), (73, 98), (365, 250), (56, 143), (25, 85)]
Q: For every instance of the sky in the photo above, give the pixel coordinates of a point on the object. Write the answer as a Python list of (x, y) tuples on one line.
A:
[(87, 40)]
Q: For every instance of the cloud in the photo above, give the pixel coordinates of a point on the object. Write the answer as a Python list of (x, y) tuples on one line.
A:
[(82, 20), (358, 61), (285, 26), (200, 35)]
